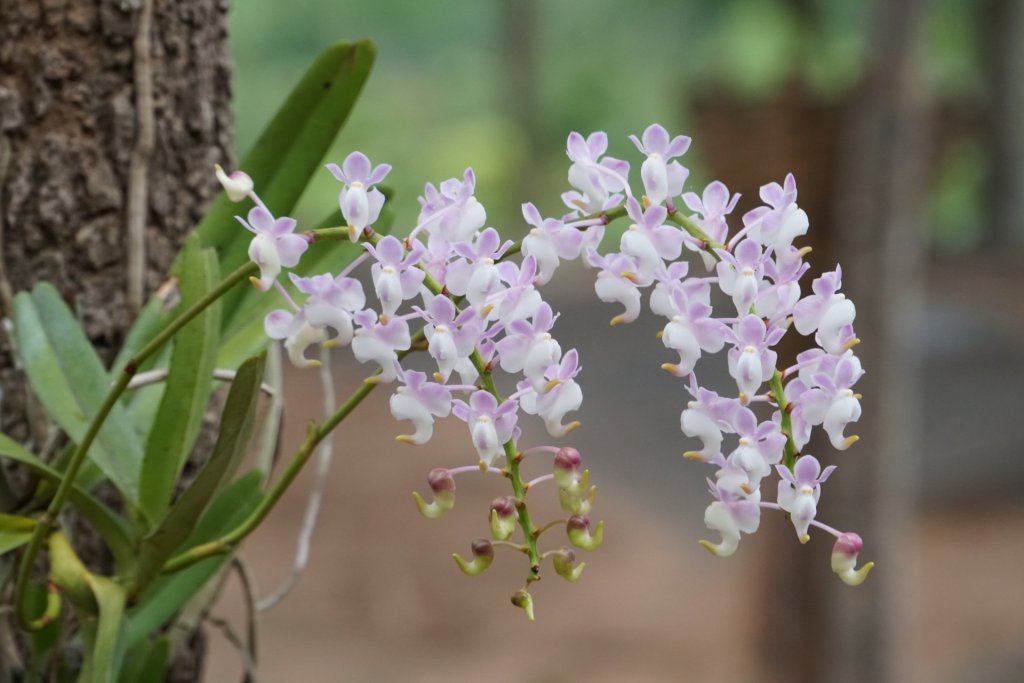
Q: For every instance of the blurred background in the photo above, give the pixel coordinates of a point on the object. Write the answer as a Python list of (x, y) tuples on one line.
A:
[(901, 121)]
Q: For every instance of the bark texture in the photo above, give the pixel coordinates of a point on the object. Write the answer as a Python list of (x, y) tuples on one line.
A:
[(70, 125)]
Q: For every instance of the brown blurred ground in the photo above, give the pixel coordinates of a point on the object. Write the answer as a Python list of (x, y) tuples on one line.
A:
[(383, 601)]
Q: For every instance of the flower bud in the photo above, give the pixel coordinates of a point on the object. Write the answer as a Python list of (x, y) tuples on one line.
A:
[(483, 556), (503, 518), (578, 529), (844, 559), (443, 486), (565, 564), (567, 467), (238, 185), (577, 504), (524, 601)]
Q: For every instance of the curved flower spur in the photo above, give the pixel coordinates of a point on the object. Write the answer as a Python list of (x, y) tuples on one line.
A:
[(450, 289), (774, 409), (480, 315)]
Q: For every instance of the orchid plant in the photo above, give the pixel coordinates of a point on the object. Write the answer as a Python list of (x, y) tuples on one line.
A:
[(452, 321), (484, 321)]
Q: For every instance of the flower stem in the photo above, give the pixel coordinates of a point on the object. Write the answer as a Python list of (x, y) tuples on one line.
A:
[(511, 454), (778, 393), (689, 226), (315, 435), (49, 517)]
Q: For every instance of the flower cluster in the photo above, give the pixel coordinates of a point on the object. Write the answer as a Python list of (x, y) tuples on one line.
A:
[(451, 289), (481, 320), (758, 270)]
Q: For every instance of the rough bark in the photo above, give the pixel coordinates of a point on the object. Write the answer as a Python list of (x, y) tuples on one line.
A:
[(70, 86)]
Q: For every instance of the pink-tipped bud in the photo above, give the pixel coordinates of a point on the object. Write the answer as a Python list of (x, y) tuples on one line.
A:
[(565, 564), (483, 556), (524, 601), (567, 467), (442, 484), (844, 559), (238, 185), (578, 530), (503, 517)]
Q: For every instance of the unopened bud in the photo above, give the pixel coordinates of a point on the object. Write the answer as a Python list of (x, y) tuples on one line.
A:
[(442, 484), (238, 185), (483, 556), (577, 504), (578, 529), (524, 601), (565, 564), (567, 467), (844, 559), (503, 518)]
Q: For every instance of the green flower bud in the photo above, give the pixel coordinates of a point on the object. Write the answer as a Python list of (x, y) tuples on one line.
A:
[(503, 518), (567, 467), (578, 529), (524, 601), (574, 502), (483, 556), (565, 564), (443, 486)]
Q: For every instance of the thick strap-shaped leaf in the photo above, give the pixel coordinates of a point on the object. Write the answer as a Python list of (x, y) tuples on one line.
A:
[(284, 158), (144, 402), (146, 662), (99, 604), (169, 593), (152, 319), (71, 383), (15, 531), (188, 385), (112, 527), (293, 144), (101, 663), (244, 336), (235, 429)]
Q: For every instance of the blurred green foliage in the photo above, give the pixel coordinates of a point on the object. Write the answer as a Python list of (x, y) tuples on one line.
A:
[(438, 99)]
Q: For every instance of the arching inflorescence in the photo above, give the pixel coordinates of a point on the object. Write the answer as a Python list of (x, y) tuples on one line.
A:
[(456, 289)]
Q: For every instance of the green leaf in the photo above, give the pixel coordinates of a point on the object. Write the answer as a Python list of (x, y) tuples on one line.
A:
[(235, 429), (152, 319), (146, 662), (15, 531), (188, 385), (145, 401), (245, 336), (291, 148), (71, 383), (169, 593), (292, 145), (113, 528), (101, 662)]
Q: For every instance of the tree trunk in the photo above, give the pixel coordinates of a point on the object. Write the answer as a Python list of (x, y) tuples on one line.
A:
[(112, 114), (880, 242), (1004, 63)]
